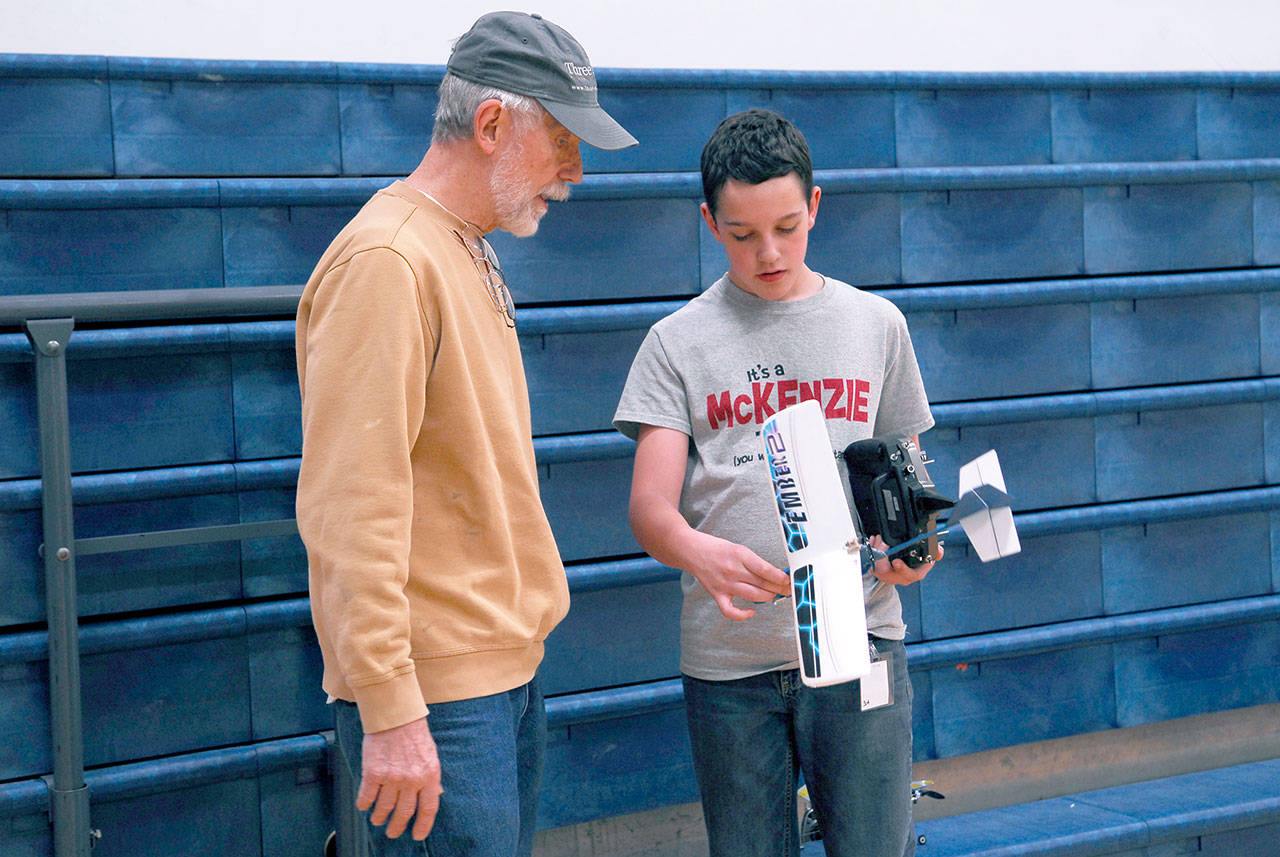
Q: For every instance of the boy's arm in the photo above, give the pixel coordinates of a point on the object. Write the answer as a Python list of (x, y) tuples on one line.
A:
[(723, 568)]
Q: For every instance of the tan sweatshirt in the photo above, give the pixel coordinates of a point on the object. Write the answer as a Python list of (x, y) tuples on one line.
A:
[(434, 575)]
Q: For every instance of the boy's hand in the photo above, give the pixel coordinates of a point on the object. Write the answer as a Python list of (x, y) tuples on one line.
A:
[(896, 571), (727, 570)]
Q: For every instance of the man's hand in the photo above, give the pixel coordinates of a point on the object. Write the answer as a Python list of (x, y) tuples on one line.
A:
[(726, 570), (401, 773), (896, 571)]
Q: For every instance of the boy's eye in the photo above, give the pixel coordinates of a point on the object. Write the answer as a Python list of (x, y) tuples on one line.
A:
[(787, 230), (746, 237)]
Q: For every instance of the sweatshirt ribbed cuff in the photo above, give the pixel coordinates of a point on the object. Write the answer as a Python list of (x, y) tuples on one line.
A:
[(390, 703)]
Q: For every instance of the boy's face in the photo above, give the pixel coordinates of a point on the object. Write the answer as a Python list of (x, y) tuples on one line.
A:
[(765, 232)]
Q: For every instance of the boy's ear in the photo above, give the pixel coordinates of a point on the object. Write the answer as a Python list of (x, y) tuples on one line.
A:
[(813, 205), (711, 221)]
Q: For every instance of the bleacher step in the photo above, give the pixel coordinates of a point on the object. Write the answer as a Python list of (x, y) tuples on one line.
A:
[(1220, 813)]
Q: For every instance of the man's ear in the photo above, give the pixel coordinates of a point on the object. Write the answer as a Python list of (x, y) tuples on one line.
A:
[(711, 221), (486, 124)]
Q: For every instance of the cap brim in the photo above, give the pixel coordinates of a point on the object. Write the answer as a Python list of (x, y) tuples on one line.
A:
[(591, 125)]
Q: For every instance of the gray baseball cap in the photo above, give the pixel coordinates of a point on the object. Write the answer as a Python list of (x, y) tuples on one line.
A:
[(529, 55)]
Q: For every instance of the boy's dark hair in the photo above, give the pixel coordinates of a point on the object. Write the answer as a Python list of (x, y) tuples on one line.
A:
[(752, 147)]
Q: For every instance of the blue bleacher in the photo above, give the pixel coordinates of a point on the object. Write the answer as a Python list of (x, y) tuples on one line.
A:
[(1222, 813), (1090, 268)]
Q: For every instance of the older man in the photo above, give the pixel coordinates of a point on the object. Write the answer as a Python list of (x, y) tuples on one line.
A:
[(434, 576)]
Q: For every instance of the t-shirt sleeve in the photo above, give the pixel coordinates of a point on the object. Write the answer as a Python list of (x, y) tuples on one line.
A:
[(904, 407), (654, 393)]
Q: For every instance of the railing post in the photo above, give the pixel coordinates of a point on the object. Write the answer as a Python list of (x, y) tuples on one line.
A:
[(349, 833), (69, 796)]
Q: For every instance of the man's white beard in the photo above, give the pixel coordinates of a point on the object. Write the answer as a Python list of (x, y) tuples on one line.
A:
[(515, 199)]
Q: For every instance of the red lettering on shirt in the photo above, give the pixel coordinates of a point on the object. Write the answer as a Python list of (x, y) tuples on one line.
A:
[(718, 410), (787, 393), (836, 387), (858, 403), (760, 401), (841, 399)]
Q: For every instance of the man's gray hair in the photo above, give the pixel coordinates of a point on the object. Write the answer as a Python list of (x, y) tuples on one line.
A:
[(458, 100)]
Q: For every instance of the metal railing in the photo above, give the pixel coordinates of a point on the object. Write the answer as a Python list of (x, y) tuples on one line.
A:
[(49, 323)]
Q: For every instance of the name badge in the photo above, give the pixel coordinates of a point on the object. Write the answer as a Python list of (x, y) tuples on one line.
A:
[(877, 689)]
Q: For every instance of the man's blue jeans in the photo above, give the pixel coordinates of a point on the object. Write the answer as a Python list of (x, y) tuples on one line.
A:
[(491, 753), (752, 737)]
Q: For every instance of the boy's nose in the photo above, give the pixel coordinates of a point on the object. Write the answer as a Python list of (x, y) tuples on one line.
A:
[(768, 251)]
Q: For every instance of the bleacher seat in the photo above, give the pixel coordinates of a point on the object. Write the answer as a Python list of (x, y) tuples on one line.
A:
[(1222, 813)]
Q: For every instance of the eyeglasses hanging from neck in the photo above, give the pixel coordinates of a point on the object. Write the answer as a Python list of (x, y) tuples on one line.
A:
[(486, 262)]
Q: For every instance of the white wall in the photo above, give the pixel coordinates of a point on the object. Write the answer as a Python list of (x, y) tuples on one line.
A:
[(961, 35)]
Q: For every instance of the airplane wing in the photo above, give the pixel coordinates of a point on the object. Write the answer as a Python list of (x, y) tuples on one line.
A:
[(816, 526)]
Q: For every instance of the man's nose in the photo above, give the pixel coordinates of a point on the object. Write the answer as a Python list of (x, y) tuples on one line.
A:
[(571, 168)]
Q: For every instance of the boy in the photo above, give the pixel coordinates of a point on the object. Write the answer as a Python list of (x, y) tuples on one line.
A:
[(705, 379)]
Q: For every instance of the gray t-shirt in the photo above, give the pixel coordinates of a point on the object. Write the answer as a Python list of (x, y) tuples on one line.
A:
[(715, 370)]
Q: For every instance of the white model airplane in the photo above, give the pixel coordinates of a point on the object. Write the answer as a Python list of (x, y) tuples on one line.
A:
[(828, 553)]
